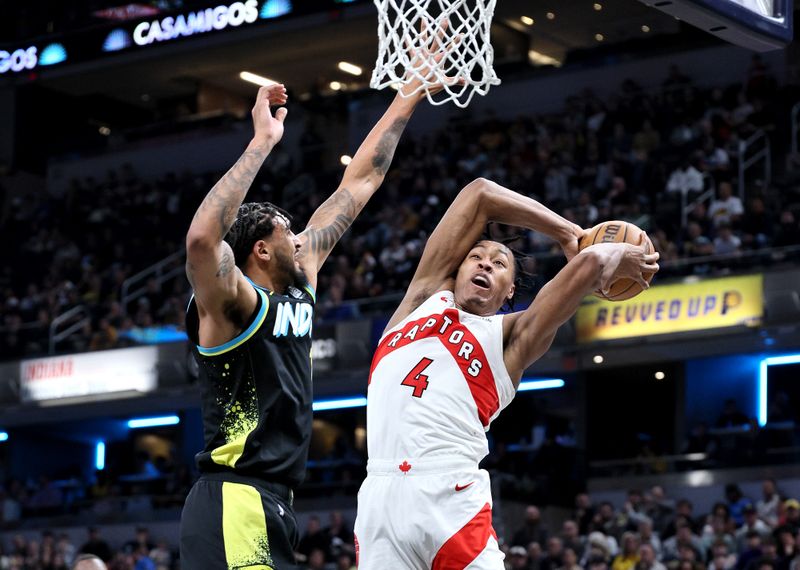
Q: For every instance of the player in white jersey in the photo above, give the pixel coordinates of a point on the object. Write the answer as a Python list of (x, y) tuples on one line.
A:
[(446, 366)]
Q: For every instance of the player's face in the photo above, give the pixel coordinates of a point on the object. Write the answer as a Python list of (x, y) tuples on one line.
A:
[(485, 280), (286, 249)]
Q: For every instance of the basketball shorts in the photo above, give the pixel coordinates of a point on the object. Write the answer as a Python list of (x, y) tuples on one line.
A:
[(230, 524), (426, 514)]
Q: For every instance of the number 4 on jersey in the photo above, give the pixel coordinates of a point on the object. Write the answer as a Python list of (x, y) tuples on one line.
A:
[(416, 379)]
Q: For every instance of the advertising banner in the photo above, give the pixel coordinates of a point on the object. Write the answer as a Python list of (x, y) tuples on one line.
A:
[(680, 307)]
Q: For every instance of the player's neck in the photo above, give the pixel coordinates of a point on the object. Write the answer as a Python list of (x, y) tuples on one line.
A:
[(266, 281)]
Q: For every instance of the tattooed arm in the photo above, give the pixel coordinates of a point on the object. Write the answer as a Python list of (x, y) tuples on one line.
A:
[(219, 286), (361, 179)]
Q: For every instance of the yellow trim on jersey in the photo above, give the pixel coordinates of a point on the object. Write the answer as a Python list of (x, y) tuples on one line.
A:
[(229, 453), (245, 335), (244, 528), (310, 290)]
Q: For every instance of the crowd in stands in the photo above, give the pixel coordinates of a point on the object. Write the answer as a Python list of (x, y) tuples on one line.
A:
[(651, 531), (633, 156), (654, 532)]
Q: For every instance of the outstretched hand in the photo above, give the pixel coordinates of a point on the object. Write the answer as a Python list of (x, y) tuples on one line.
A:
[(426, 58), (269, 128)]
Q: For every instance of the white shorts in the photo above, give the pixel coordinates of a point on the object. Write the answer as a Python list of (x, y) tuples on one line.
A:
[(426, 514)]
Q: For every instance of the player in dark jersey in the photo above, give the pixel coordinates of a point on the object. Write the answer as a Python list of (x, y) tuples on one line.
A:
[(250, 319)]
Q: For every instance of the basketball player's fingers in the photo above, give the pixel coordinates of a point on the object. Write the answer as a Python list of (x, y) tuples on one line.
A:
[(423, 32), (438, 42), (650, 267), (652, 257), (281, 113), (639, 278)]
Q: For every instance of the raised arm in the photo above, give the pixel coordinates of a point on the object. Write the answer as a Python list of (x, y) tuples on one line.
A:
[(529, 333), (362, 177), (218, 284), (365, 173), (479, 202)]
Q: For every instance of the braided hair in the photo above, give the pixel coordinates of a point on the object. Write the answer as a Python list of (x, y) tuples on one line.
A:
[(254, 221), (523, 280)]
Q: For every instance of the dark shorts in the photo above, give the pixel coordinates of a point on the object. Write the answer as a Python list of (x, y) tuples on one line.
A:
[(229, 525)]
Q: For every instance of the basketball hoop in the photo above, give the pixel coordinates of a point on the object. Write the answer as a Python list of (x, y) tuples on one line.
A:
[(442, 44)]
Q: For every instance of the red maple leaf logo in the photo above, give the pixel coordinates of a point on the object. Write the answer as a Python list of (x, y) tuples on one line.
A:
[(405, 467)]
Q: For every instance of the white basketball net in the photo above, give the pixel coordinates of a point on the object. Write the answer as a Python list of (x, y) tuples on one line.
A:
[(413, 33)]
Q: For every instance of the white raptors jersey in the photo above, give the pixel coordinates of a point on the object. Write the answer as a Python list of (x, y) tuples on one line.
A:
[(437, 381)]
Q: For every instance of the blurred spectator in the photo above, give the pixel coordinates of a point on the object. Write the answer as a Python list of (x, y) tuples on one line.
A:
[(792, 514), (140, 541), (340, 536), (316, 560), (684, 538), (751, 551), (162, 556), (628, 557), (88, 562), (788, 231), (531, 530), (583, 513), (737, 502), (769, 502), (648, 560), (726, 242), (554, 554), (726, 208), (570, 537), (314, 538), (721, 557), (751, 524), (570, 559), (685, 179), (660, 510), (345, 562), (757, 225), (518, 558), (647, 536), (96, 545), (696, 244)]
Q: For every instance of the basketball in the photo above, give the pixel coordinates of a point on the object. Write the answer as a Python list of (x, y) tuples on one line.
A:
[(618, 232)]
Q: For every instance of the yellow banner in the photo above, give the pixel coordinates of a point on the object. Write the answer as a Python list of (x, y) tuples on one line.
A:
[(707, 304)]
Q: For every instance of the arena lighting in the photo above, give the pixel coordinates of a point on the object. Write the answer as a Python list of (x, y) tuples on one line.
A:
[(540, 384), (597, 6), (335, 85), (3, 436), (762, 381), (659, 375), (153, 422), (645, 29), (598, 359), (275, 9), (551, 16), (100, 455), (53, 54), (350, 68), (257, 79), (345, 159), (339, 404), (599, 37), (527, 20), (538, 58)]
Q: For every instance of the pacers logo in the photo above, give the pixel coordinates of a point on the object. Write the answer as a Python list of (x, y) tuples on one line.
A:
[(294, 316)]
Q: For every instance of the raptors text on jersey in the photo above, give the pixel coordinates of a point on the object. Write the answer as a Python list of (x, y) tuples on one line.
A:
[(437, 381)]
